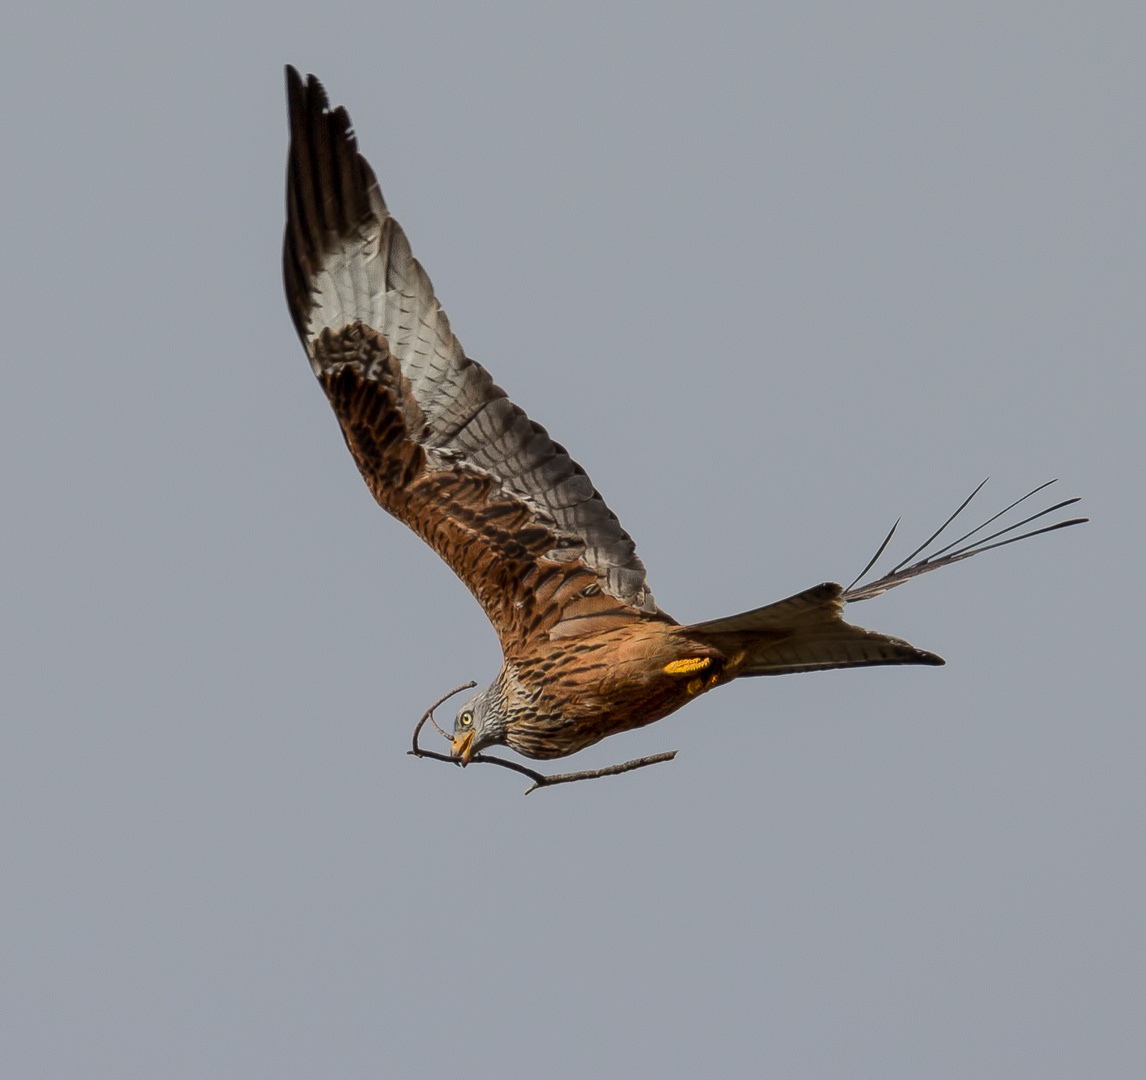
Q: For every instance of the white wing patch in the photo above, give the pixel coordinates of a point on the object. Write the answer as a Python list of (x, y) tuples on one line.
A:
[(374, 278)]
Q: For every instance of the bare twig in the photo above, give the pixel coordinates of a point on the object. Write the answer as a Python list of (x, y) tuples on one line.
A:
[(593, 774), (429, 715), (539, 779)]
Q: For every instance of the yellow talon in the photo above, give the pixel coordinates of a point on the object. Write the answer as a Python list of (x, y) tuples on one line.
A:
[(687, 667), (695, 686)]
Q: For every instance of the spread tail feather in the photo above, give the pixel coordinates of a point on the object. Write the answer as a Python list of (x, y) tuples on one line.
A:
[(805, 632)]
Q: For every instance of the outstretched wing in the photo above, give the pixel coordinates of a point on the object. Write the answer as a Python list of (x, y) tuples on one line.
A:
[(440, 445)]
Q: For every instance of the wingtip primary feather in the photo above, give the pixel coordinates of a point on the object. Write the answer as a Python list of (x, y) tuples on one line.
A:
[(951, 553), (875, 558)]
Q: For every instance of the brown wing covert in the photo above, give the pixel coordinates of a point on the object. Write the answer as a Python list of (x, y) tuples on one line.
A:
[(491, 539)]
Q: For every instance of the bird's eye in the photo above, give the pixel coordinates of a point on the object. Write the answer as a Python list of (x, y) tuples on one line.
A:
[(467, 719)]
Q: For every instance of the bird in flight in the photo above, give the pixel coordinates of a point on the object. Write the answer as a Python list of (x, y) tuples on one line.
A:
[(587, 650)]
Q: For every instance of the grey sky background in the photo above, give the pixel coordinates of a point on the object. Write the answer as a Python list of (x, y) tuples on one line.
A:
[(776, 275)]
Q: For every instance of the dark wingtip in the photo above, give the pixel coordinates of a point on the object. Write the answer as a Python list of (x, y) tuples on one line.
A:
[(304, 91), (327, 192), (960, 549), (318, 92), (294, 86)]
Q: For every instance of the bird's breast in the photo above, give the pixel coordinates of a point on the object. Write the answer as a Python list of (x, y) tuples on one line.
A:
[(589, 688)]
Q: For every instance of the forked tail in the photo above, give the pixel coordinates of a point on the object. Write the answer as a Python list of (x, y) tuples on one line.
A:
[(807, 632)]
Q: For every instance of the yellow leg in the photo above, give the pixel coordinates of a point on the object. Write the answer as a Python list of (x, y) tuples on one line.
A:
[(687, 667)]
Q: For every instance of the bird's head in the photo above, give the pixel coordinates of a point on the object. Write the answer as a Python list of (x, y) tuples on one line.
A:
[(480, 722)]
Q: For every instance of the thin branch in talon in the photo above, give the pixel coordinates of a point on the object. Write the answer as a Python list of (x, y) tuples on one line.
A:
[(541, 780), (594, 774), (417, 751), (420, 753)]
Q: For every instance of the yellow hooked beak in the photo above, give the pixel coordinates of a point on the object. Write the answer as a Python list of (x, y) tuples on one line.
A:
[(462, 747)]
